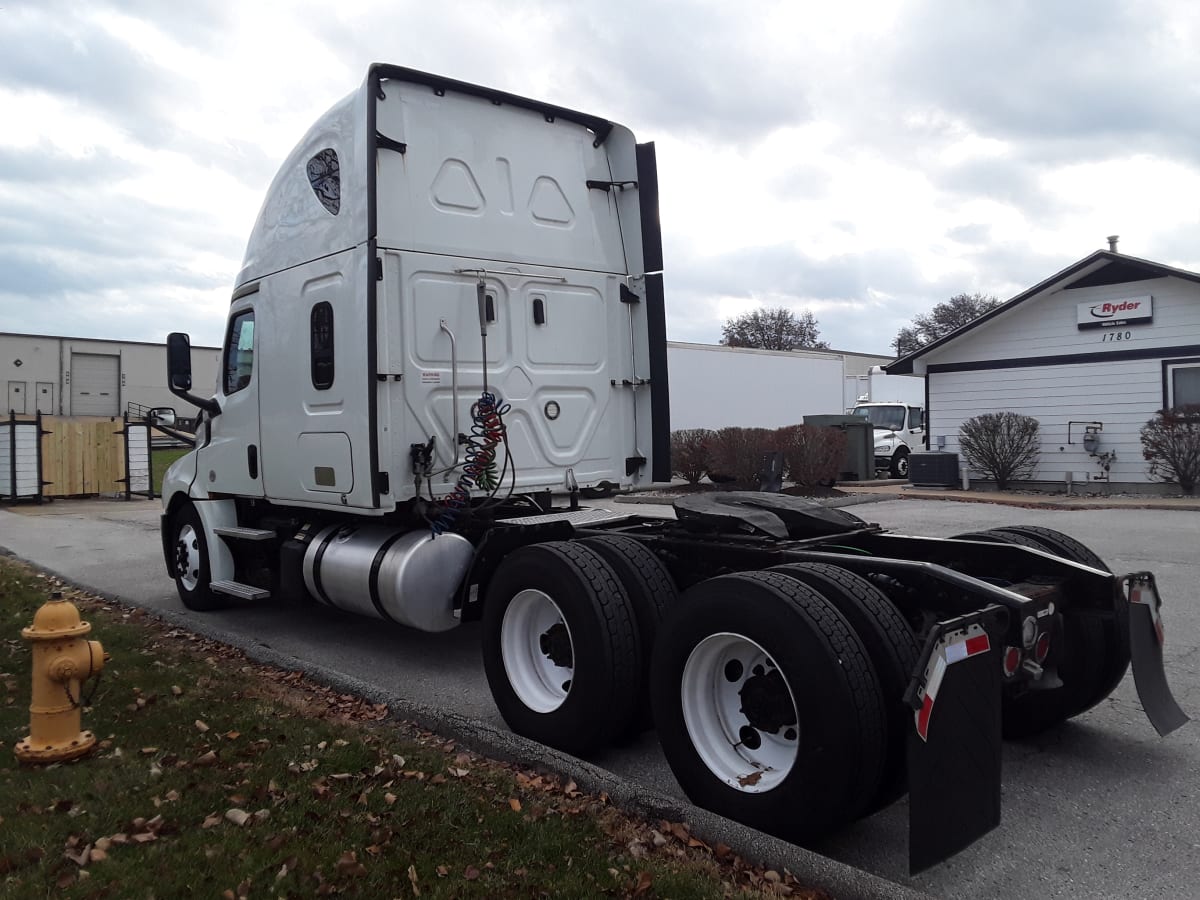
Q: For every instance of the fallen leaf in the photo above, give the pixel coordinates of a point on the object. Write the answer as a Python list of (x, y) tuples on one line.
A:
[(176, 690), (201, 726), (471, 873), (412, 877), (148, 751), (232, 735), (515, 804), (211, 821), (348, 864), (97, 855), (643, 884), (238, 817), (206, 759), (439, 778), (442, 871), (389, 798), (458, 773), (80, 858)]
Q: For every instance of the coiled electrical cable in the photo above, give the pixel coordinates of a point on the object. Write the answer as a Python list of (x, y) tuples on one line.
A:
[(479, 466)]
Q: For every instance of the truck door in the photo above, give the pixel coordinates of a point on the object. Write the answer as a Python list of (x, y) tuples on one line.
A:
[(230, 461)]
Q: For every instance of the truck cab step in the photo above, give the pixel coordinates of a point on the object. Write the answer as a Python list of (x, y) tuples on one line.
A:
[(244, 534), (239, 590)]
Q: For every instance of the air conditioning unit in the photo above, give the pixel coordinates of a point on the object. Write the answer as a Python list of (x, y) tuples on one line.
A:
[(933, 468)]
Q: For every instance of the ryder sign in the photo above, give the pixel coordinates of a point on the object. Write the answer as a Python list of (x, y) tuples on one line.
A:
[(1111, 313)]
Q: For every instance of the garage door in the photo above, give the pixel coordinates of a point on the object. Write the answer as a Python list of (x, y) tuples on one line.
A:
[(95, 381)]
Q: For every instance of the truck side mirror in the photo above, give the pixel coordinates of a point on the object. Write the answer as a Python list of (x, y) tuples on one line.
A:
[(162, 415), (179, 361), (179, 373)]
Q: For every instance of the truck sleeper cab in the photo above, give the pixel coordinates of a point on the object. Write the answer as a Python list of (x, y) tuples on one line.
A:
[(450, 312)]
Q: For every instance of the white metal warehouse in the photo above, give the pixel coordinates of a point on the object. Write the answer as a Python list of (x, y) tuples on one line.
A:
[(1096, 349), (66, 376)]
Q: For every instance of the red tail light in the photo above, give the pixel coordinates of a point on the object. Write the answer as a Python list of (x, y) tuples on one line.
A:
[(1043, 647)]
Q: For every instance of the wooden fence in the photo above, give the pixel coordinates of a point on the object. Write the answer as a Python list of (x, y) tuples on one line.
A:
[(87, 457)]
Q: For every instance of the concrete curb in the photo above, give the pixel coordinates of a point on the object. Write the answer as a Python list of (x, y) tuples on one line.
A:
[(837, 879)]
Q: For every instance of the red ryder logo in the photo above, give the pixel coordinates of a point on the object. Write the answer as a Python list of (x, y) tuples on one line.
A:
[(1111, 313)]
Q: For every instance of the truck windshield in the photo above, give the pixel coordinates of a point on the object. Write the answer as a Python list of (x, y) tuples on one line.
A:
[(882, 416)]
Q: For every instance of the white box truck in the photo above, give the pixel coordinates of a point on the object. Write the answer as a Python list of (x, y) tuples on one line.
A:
[(713, 386), (895, 407), (451, 311)]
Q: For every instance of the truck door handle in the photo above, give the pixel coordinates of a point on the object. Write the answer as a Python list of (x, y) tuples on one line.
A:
[(252, 461)]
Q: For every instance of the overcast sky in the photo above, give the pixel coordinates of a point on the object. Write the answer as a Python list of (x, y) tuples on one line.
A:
[(860, 160)]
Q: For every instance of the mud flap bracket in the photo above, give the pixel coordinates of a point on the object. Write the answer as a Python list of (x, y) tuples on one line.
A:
[(1146, 653), (954, 746)]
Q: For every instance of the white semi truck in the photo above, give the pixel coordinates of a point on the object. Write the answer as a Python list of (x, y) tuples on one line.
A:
[(451, 315)]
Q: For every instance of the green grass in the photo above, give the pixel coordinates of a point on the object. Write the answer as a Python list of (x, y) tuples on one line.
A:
[(160, 460), (195, 737)]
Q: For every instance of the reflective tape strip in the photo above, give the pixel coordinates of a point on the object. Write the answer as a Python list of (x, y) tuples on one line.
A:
[(932, 683), (960, 649)]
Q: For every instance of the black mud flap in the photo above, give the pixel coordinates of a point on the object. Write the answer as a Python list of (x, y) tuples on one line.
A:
[(954, 745), (1146, 653)]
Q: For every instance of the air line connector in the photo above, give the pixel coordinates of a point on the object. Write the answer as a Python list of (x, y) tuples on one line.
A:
[(62, 662)]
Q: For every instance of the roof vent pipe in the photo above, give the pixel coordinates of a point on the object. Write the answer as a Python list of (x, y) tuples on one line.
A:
[(1112, 242)]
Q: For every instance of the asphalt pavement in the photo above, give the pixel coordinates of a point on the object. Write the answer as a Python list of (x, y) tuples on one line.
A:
[(1100, 807)]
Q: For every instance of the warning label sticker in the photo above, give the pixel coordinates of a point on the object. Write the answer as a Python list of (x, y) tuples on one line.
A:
[(431, 378)]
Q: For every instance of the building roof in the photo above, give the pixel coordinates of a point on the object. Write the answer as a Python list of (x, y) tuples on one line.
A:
[(1101, 267), (64, 337)]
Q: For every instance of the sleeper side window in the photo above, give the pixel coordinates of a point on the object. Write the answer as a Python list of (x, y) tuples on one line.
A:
[(238, 363), (320, 323)]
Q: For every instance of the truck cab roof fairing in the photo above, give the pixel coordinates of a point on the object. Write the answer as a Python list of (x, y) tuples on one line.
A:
[(294, 225)]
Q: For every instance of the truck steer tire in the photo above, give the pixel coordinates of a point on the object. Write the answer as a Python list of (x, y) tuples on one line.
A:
[(1107, 653), (561, 648), (892, 647), (767, 706), (190, 562), (651, 591), (899, 466)]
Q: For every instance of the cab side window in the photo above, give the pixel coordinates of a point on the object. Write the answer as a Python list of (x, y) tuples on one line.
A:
[(238, 363), (320, 322)]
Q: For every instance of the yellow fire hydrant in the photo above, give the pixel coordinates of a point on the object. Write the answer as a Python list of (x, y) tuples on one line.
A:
[(62, 662)]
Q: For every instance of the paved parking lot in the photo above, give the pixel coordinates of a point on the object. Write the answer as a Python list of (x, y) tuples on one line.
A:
[(1099, 808)]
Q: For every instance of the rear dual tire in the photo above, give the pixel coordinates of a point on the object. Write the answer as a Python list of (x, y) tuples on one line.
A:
[(1090, 654), (768, 707), (561, 647)]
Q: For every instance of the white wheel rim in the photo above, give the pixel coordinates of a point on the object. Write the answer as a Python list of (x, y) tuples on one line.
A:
[(532, 634), (188, 561), (715, 677)]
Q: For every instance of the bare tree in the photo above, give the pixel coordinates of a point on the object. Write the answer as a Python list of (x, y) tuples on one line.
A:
[(777, 328), (1171, 443), (941, 320), (1003, 446)]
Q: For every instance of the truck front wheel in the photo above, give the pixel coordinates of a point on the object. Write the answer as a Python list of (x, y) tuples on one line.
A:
[(768, 708), (899, 466), (561, 648), (190, 561)]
